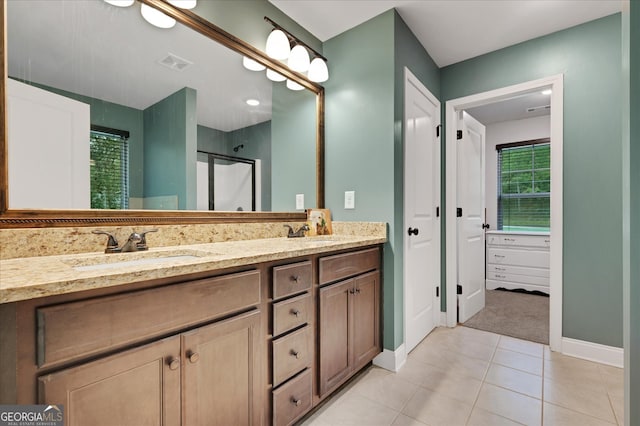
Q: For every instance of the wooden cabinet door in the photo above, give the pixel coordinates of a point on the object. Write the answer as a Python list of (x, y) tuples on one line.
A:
[(335, 362), (136, 387), (365, 319), (222, 373)]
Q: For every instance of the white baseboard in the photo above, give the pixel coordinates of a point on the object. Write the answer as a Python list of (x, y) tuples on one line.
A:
[(391, 360), (443, 320), (603, 354)]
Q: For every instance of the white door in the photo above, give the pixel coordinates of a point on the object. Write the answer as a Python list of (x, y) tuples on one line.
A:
[(470, 189), (421, 202)]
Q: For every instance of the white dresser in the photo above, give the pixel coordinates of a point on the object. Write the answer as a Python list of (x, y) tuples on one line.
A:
[(517, 261)]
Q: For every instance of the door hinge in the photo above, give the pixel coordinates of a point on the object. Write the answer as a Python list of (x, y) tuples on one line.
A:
[(459, 289), (459, 212), (438, 130), (437, 291), (459, 134), (438, 211)]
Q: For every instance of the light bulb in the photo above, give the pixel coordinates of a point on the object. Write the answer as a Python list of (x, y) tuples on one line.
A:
[(274, 76), (318, 70), (183, 4), (120, 3), (278, 45), (299, 58), (155, 17), (293, 85), (252, 65)]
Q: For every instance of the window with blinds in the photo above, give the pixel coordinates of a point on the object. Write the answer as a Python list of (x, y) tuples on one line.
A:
[(109, 156), (524, 186)]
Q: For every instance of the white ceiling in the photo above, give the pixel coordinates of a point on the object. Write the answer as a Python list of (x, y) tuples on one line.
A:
[(516, 108), (452, 30)]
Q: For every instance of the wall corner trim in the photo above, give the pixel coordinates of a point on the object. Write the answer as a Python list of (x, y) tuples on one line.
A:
[(596, 352), (391, 360)]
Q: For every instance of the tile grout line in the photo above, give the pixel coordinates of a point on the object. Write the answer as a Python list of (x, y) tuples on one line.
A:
[(475, 401), (542, 392)]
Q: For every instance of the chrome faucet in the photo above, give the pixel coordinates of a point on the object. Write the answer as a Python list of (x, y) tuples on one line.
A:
[(298, 233), (135, 242)]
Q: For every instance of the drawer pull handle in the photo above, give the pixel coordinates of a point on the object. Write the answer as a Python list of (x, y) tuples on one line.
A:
[(295, 278), (498, 255), (193, 357), (295, 312), (295, 353), (295, 401), (500, 276), (547, 241), (174, 363), (500, 269)]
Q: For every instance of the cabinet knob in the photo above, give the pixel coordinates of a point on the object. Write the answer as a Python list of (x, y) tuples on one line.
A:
[(295, 312), (295, 278), (295, 353), (174, 363), (193, 357), (296, 401), (357, 290)]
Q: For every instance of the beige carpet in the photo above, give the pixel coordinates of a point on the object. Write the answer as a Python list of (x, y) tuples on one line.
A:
[(521, 315)]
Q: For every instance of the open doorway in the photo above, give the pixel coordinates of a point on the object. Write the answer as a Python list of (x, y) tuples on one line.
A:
[(500, 214)]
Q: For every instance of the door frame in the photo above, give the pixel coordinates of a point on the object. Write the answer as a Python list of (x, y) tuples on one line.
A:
[(410, 78), (555, 83)]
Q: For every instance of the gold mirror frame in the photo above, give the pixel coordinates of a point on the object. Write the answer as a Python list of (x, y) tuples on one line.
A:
[(65, 218)]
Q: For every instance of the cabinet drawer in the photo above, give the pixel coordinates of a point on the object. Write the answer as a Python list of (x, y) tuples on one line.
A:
[(291, 313), (520, 270), (291, 354), (533, 258), (114, 321), (520, 240), (291, 279), (334, 268), (292, 400), (516, 278)]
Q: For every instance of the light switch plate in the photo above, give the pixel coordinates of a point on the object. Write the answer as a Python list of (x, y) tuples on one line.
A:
[(349, 199), (299, 201)]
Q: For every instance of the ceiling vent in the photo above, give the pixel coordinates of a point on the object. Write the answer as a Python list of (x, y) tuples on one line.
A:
[(538, 108), (175, 62)]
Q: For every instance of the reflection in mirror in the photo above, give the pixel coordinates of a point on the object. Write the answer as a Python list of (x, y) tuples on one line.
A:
[(84, 74)]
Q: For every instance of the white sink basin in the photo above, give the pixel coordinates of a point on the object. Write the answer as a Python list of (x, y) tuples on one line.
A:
[(126, 260)]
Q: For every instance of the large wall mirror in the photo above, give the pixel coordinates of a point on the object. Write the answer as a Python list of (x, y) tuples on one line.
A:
[(110, 119)]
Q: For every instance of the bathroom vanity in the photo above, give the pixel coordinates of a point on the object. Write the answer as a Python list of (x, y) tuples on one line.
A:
[(258, 335)]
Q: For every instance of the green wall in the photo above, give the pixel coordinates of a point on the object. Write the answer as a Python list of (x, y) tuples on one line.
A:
[(213, 140), (631, 184), (364, 110), (170, 141), (589, 56)]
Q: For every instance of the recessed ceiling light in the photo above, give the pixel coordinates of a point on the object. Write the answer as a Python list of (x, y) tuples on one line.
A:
[(546, 92), (253, 102)]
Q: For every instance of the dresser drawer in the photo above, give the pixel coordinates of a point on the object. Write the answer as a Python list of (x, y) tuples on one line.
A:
[(292, 400), (291, 313), (291, 279), (114, 321), (533, 258), (520, 270), (291, 354), (334, 268), (516, 278), (520, 240)]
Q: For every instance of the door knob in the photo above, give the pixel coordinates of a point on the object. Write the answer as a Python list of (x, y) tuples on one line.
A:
[(413, 231)]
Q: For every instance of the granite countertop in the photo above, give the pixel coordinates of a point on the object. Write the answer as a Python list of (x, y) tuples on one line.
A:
[(33, 277)]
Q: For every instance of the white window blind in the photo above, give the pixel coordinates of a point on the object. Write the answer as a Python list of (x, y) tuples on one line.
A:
[(109, 168), (524, 186)]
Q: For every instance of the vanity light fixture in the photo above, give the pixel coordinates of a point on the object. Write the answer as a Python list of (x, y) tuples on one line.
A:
[(155, 17), (253, 102), (298, 56)]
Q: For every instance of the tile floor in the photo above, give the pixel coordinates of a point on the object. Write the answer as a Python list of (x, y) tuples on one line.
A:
[(463, 376)]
